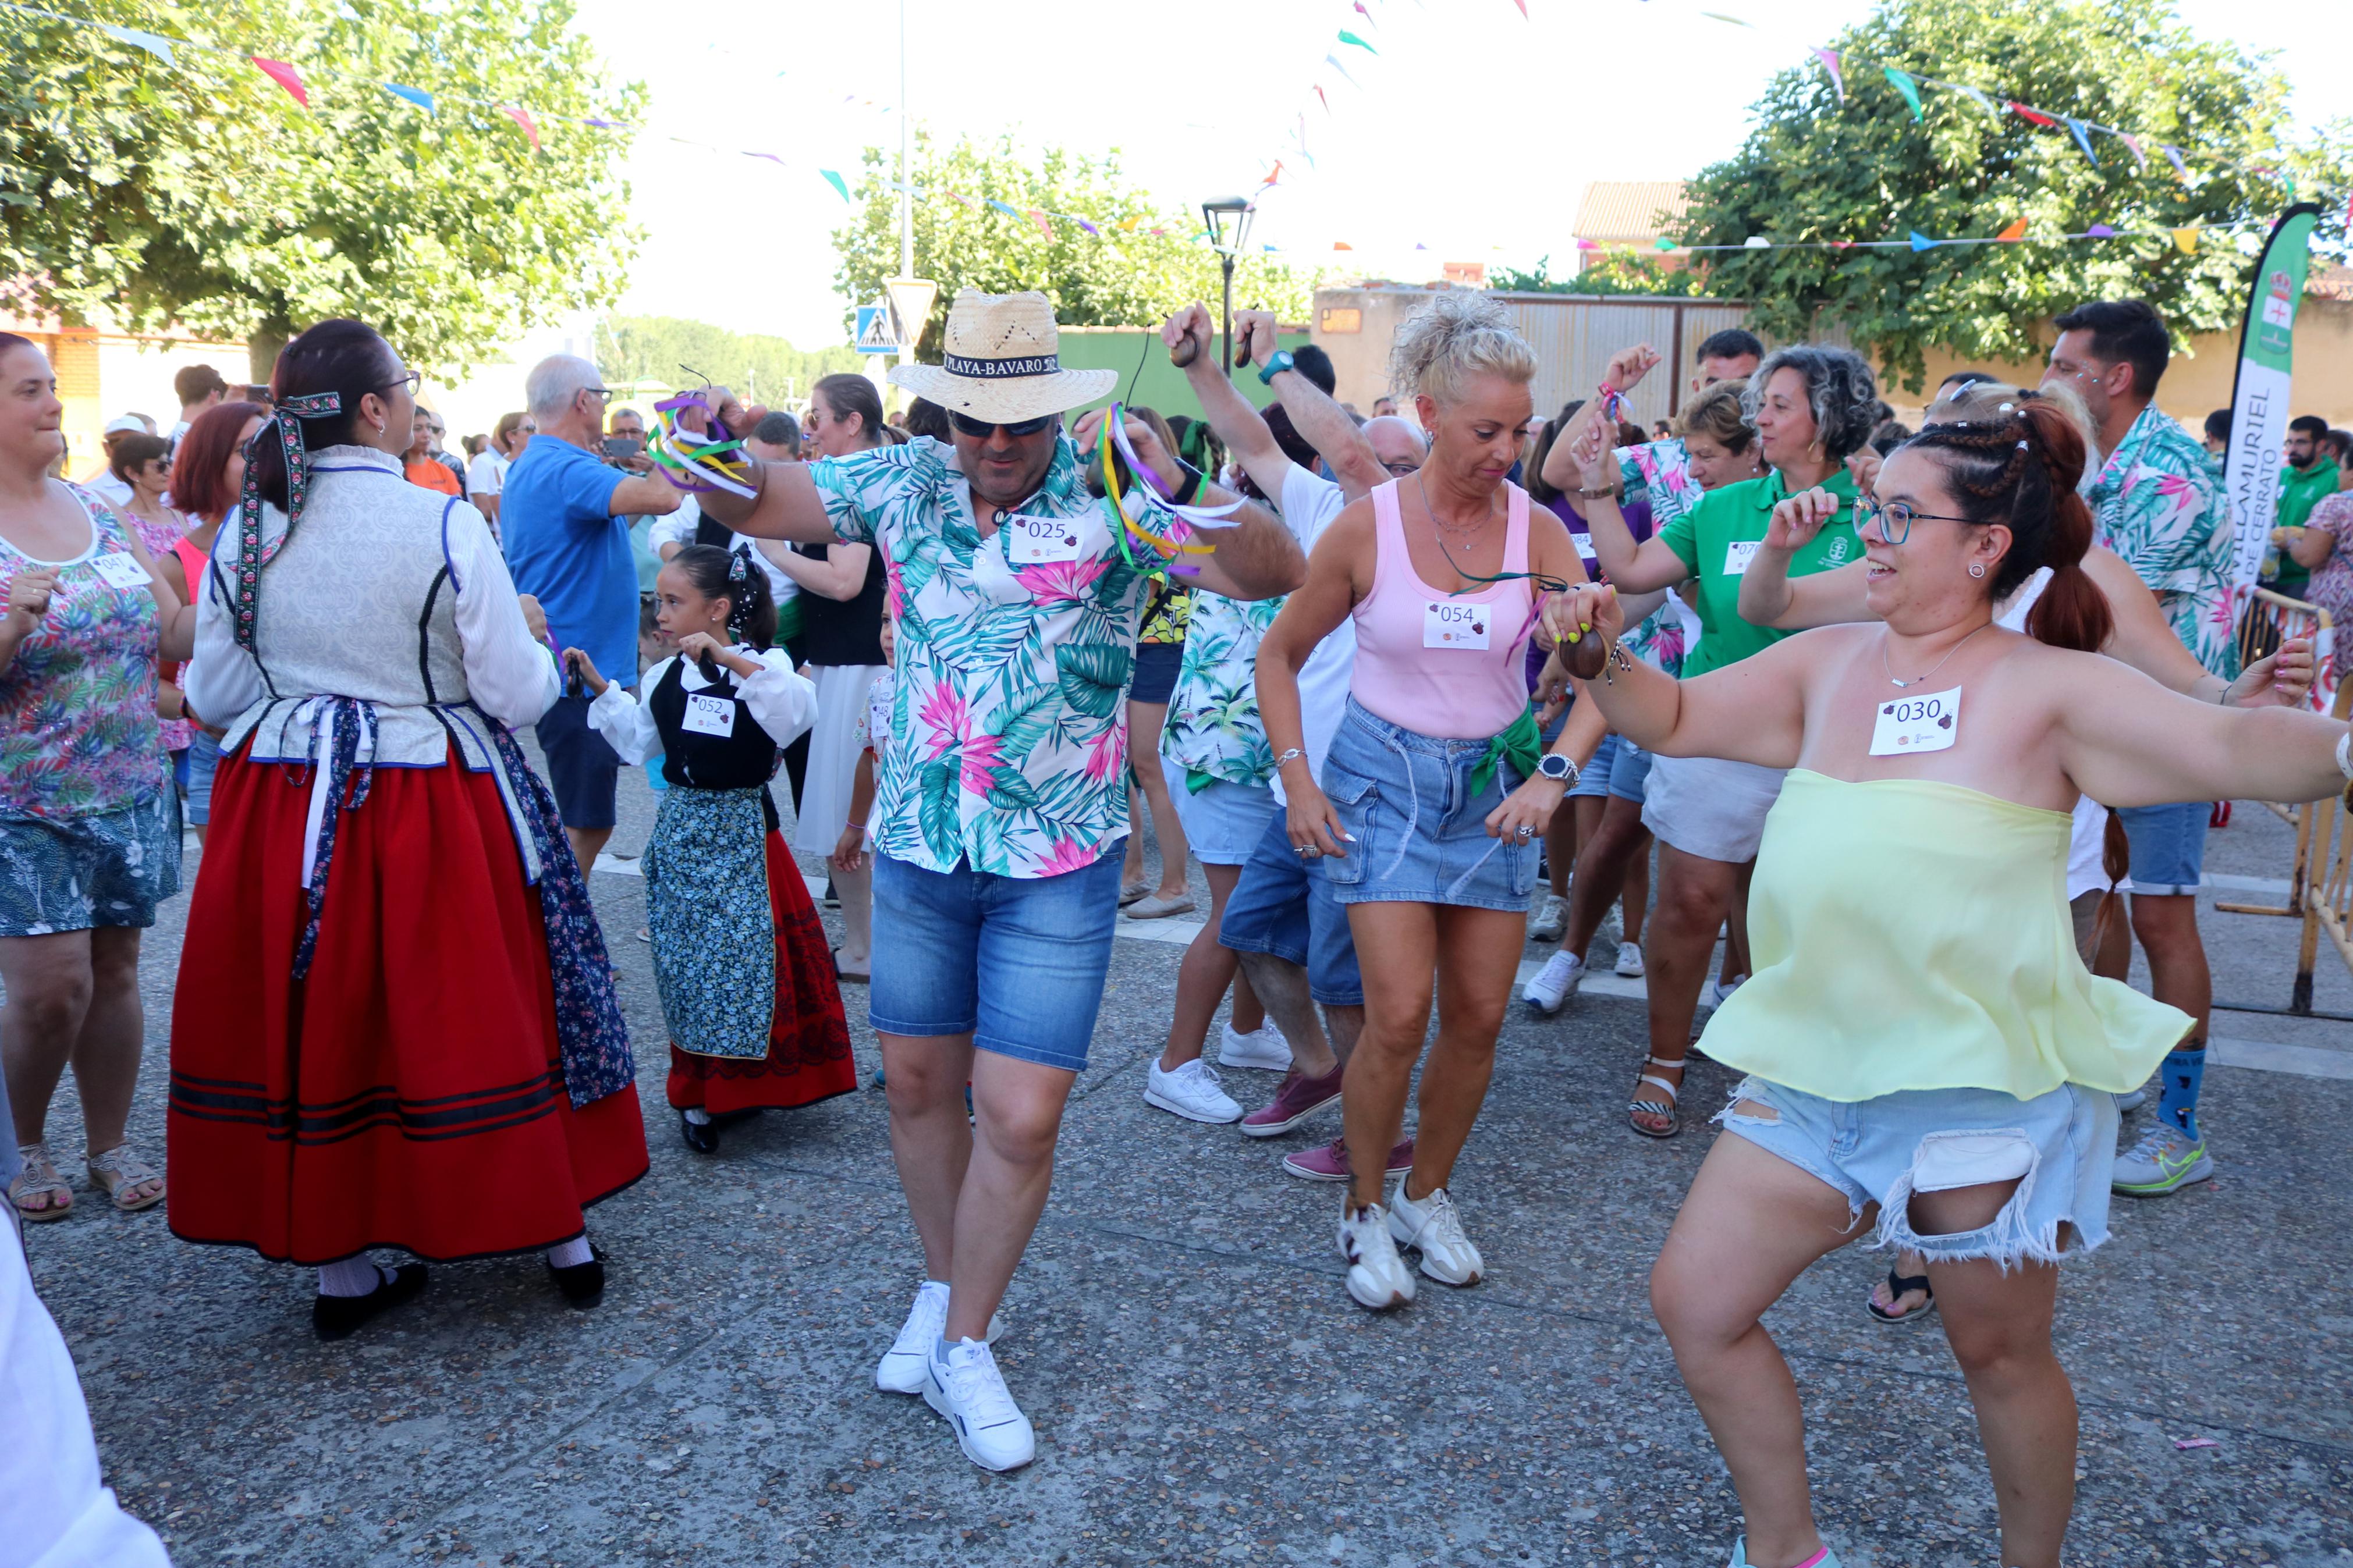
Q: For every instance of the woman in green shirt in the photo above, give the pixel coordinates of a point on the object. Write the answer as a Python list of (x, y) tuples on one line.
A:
[(1810, 406)]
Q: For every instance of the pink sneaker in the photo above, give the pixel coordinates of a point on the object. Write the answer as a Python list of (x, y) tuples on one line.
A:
[(1299, 1098), (1329, 1162)]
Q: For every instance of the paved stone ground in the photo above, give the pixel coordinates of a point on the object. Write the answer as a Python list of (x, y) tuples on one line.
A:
[(1202, 1387)]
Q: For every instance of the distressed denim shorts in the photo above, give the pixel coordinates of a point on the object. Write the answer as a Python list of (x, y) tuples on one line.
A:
[(2060, 1148), (1418, 829)]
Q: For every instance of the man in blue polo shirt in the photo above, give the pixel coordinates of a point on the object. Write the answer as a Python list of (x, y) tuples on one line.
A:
[(563, 519)]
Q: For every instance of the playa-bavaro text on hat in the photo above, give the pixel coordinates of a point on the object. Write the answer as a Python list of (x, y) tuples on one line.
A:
[(1003, 362)]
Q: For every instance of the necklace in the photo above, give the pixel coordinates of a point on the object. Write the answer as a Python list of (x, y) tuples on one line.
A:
[(1932, 669), (1462, 530)]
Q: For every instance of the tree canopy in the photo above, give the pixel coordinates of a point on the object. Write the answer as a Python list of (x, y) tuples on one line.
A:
[(661, 348), (200, 195), (1817, 169), (1125, 276)]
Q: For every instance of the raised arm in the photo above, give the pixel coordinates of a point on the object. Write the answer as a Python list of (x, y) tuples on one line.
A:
[(788, 505), (1251, 555), (1627, 367), (1230, 413), (2126, 741), (1321, 423), (1753, 711), (1770, 596), (1641, 568)]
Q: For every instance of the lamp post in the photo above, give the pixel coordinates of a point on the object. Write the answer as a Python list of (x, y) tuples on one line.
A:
[(1229, 220)]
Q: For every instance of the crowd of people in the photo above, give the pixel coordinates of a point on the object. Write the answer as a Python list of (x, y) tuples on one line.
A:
[(1414, 690)]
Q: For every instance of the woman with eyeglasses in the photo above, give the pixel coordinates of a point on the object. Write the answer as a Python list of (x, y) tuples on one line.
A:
[(1810, 407), (1425, 820), (1926, 1052), (395, 1024)]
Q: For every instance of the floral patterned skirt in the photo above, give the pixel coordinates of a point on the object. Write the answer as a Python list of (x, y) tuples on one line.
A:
[(77, 873)]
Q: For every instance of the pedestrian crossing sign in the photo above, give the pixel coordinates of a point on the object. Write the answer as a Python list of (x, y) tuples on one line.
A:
[(875, 333)]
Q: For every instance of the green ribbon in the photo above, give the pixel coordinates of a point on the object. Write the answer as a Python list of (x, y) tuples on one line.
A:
[(1522, 745), (1196, 780)]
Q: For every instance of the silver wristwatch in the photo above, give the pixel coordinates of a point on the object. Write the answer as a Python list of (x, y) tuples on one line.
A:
[(1558, 768)]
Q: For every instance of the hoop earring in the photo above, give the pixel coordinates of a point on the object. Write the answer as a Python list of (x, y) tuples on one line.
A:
[(1976, 568)]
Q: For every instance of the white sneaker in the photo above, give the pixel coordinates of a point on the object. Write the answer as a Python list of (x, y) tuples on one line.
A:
[(1555, 983), (1551, 919), (1378, 1277), (970, 1391), (1719, 993), (1261, 1048), (1433, 1225), (903, 1370), (2133, 1100), (1191, 1092), (1630, 959)]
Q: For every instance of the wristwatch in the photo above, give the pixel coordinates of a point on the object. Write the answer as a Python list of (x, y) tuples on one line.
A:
[(1559, 768), (1279, 362)]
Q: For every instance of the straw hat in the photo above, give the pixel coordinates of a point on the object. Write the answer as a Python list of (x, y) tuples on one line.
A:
[(1003, 361)]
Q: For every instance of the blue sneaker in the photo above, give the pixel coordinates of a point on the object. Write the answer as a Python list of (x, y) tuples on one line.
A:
[(1825, 1557)]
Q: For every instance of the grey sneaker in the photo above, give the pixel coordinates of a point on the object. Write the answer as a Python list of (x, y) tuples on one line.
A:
[(2165, 1160), (1551, 919)]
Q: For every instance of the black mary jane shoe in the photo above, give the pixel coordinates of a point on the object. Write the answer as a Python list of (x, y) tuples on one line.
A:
[(702, 1138), (338, 1317), (582, 1284)]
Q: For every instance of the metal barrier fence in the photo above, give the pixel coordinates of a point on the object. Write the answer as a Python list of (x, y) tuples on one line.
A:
[(2320, 884), (2269, 620)]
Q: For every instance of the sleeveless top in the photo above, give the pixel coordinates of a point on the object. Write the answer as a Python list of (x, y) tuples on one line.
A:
[(744, 758), (844, 631), (1910, 934), (78, 728), (1445, 665)]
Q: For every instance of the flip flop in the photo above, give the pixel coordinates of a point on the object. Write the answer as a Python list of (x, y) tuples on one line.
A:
[(1898, 1287)]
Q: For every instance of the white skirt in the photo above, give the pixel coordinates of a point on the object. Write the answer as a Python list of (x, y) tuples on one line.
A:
[(833, 754)]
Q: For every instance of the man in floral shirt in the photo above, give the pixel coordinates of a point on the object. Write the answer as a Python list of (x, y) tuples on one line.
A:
[(2155, 502), (1002, 808)]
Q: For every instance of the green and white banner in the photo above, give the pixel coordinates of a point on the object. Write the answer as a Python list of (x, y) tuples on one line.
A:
[(2259, 405)]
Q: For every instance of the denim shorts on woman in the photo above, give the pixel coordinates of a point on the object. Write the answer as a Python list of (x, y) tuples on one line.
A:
[(1618, 768), (2169, 845), (1017, 961), (2060, 1148), (1419, 835), (1225, 820)]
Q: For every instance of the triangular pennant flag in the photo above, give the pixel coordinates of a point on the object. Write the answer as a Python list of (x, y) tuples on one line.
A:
[(522, 117), (2084, 139), (1342, 245), (1586, 245), (1271, 174), (1158, 231), (1090, 230), (2132, 145), (1523, 5), (1045, 225), (2034, 115), (1367, 14), (1333, 61), (2186, 239), (2016, 231), (602, 124), (1830, 63), (1665, 244), (1348, 37), (2100, 231), (416, 96), (770, 157), (1319, 93), (1720, 17), (1901, 82), (995, 206), (2173, 156), (1756, 242), (283, 75), (1982, 100), (1921, 242), (841, 186), (1132, 221), (161, 47)]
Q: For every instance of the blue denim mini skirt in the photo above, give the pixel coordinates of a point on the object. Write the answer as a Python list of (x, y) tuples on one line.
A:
[(1419, 834)]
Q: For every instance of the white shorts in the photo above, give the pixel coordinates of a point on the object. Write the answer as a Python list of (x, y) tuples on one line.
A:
[(1710, 808)]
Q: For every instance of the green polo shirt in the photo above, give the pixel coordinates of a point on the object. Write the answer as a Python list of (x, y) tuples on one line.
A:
[(2298, 494), (1716, 539)]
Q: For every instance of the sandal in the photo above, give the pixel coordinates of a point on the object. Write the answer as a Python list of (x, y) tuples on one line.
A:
[(39, 1175), (1898, 1287), (118, 1170), (1641, 1107)]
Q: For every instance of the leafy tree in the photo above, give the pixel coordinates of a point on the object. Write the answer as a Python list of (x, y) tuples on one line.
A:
[(658, 348), (1609, 272), (1815, 169), (200, 195), (1124, 276)]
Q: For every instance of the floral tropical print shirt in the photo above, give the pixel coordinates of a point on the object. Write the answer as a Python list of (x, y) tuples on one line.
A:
[(1659, 474), (2156, 504), (1213, 730), (1008, 743)]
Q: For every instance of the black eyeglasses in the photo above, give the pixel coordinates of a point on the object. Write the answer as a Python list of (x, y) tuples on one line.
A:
[(1897, 518), (412, 380), (982, 429)]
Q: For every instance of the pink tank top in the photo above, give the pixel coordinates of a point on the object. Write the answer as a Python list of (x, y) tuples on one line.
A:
[(1440, 664)]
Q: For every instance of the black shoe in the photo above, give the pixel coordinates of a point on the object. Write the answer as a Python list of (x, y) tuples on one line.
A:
[(702, 1138), (336, 1316), (832, 900), (582, 1284)]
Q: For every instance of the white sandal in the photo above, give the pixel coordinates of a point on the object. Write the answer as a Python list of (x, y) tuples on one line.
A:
[(1652, 1108), (39, 1175), (119, 1169)]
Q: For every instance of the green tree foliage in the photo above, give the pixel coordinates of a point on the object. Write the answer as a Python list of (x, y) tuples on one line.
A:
[(1607, 272), (661, 348), (1128, 276), (200, 195), (1816, 170)]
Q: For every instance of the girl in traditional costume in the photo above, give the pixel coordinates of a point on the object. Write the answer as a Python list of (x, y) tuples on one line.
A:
[(741, 961)]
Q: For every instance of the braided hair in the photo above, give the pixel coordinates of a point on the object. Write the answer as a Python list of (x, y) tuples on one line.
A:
[(734, 577), (2019, 467)]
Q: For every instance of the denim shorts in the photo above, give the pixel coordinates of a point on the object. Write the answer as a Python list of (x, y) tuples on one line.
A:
[(582, 770), (204, 759), (2169, 845), (1618, 768), (1418, 834), (1223, 823), (1710, 808), (1283, 906), (2062, 1145), (1157, 665), (1018, 963)]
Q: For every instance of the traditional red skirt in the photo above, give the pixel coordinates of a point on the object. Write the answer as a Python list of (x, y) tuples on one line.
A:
[(809, 1055), (408, 1091)]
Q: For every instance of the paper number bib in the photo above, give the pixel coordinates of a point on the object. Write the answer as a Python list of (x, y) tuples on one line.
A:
[(1737, 556), (120, 569), (1446, 623), (1928, 723), (1037, 540), (1583, 543), (711, 715)]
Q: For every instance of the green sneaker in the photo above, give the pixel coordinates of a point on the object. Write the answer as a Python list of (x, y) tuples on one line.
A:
[(2165, 1160), (1825, 1557)]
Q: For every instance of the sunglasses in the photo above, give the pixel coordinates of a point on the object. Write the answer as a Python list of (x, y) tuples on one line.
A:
[(982, 429)]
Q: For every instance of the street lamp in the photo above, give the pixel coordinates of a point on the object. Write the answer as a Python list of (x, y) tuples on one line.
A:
[(1228, 221)]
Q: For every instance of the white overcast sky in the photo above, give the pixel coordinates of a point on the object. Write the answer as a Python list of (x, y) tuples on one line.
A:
[(1472, 132)]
